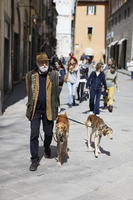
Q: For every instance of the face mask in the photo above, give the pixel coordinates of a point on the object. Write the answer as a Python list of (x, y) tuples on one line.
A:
[(43, 69)]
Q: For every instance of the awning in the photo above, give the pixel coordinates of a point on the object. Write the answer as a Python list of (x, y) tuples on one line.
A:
[(122, 40), (113, 43), (89, 52)]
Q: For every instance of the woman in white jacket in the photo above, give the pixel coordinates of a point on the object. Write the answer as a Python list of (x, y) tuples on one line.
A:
[(72, 80), (130, 67)]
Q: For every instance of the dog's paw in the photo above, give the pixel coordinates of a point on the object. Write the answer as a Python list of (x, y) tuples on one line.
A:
[(58, 164)]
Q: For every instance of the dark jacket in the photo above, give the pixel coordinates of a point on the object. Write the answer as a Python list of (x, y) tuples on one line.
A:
[(96, 82), (61, 76), (52, 94)]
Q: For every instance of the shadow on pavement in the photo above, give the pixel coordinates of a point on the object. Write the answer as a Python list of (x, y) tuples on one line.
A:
[(18, 93), (104, 151), (42, 154)]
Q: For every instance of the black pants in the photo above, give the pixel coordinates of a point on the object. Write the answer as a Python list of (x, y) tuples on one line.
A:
[(35, 128), (95, 100), (80, 90)]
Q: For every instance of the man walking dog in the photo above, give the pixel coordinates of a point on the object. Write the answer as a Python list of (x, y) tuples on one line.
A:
[(42, 85)]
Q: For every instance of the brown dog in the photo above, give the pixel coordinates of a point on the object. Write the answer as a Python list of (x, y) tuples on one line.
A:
[(62, 130), (96, 128)]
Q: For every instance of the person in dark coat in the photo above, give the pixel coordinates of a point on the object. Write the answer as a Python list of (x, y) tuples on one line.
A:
[(95, 82), (43, 100), (61, 71)]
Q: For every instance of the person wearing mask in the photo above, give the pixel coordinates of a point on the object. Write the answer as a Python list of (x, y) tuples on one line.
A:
[(111, 80), (95, 82), (42, 85)]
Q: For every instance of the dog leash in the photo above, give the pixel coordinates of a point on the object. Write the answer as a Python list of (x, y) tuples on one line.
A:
[(78, 122)]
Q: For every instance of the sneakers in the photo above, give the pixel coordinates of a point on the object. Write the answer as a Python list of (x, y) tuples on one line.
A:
[(98, 115), (33, 166), (69, 105), (91, 113), (75, 104)]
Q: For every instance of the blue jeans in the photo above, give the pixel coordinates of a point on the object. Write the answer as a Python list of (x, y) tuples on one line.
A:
[(72, 92), (95, 100)]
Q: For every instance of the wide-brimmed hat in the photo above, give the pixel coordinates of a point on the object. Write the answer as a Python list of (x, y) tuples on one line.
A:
[(41, 57)]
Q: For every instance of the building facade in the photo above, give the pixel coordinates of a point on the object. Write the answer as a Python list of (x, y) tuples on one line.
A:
[(64, 32), (120, 32), (90, 28), (22, 35)]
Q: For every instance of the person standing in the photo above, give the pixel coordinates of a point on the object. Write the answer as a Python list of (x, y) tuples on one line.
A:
[(61, 71), (83, 68), (72, 80), (95, 82), (111, 80), (130, 67), (109, 64), (43, 101)]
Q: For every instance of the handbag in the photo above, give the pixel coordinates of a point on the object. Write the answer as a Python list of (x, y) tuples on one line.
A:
[(66, 78)]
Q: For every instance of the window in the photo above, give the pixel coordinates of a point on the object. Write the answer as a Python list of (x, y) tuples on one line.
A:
[(90, 30), (91, 10)]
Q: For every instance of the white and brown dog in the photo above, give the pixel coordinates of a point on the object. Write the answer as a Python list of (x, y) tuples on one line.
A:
[(96, 128), (62, 131)]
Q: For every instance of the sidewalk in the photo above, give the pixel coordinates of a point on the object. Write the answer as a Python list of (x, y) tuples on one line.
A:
[(124, 71)]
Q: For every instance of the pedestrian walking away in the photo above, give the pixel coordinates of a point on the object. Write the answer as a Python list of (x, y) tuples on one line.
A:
[(95, 82), (111, 80), (42, 85)]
